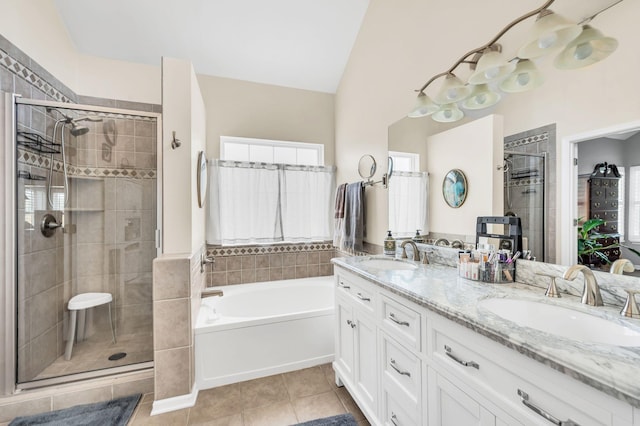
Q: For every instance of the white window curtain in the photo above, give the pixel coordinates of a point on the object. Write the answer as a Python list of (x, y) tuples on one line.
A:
[(253, 203), (408, 203)]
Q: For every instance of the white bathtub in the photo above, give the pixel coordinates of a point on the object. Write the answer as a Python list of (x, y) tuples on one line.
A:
[(263, 329)]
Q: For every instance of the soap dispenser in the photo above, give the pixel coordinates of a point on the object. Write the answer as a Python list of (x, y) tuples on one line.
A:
[(389, 245), (418, 238)]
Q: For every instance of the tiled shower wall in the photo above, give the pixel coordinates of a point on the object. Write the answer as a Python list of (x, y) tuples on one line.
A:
[(258, 263), (538, 141), (45, 259)]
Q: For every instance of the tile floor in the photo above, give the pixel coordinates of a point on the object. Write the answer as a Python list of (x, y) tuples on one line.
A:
[(282, 399)]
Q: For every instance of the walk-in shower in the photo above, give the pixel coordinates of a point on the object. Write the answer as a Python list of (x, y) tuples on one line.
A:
[(524, 196), (86, 219)]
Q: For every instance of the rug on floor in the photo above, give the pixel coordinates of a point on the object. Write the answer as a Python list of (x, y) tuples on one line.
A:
[(339, 420), (116, 412)]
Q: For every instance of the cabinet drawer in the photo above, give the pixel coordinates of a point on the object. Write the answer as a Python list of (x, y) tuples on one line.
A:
[(357, 290), (402, 369), (566, 399), (401, 322)]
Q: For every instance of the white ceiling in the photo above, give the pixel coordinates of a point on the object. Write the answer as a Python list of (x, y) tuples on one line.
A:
[(294, 43)]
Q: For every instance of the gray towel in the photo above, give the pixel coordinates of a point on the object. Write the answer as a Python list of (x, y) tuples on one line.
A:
[(354, 219)]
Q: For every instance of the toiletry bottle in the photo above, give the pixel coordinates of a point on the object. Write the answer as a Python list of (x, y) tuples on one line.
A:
[(418, 238), (389, 245)]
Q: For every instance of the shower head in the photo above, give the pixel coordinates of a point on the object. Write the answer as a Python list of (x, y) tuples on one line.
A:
[(78, 130)]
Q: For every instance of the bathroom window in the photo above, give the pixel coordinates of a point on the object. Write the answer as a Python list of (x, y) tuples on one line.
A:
[(405, 161), (634, 204), (408, 195), (271, 151)]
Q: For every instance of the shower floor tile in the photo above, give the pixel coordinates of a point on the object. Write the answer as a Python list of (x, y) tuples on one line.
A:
[(93, 354), (281, 399)]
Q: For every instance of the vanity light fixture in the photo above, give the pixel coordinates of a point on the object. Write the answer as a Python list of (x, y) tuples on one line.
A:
[(590, 47), (582, 45), (452, 90), (481, 97), (525, 77)]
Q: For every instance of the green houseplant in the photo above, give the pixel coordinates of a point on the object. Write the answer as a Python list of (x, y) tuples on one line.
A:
[(590, 243)]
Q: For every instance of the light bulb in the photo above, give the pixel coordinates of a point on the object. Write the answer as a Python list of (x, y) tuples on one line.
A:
[(452, 93), (481, 99), (491, 73), (523, 78), (583, 51), (448, 113), (548, 40)]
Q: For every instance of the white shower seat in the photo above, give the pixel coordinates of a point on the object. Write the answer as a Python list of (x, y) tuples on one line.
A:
[(82, 302)]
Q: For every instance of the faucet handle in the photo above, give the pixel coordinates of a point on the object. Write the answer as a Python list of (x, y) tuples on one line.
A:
[(404, 253), (630, 308), (425, 258), (552, 289)]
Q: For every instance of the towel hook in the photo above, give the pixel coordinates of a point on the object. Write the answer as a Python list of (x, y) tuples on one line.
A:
[(175, 143)]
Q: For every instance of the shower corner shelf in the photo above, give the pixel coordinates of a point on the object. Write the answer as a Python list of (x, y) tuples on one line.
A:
[(35, 142)]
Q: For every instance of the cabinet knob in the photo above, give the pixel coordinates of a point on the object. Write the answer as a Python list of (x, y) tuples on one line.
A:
[(351, 323)]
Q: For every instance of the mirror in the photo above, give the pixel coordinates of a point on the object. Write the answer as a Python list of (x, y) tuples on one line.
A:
[(454, 188), (201, 178), (367, 167)]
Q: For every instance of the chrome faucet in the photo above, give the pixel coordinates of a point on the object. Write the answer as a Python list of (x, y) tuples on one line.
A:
[(621, 266), (591, 292), (444, 242), (416, 252), (211, 292)]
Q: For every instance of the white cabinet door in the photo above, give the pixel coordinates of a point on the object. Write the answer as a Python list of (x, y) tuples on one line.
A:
[(366, 377), (344, 351), (450, 406)]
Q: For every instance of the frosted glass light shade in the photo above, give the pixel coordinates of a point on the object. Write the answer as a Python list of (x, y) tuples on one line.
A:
[(452, 90), (424, 106), (490, 67), (481, 97), (448, 113), (525, 77), (590, 47), (550, 32)]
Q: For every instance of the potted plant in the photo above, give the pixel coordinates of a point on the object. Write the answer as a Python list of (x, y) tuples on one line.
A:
[(591, 250)]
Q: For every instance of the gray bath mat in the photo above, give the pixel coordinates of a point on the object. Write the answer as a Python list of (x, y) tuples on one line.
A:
[(116, 412), (340, 420)]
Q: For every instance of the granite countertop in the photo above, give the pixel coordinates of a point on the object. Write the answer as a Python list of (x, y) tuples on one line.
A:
[(613, 370)]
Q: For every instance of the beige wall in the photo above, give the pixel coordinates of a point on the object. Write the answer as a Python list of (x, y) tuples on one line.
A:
[(245, 109), (399, 48), (451, 150)]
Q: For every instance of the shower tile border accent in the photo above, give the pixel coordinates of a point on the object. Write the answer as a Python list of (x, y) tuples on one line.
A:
[(25, 73), (527, 140), (268, 249), (31, 159)]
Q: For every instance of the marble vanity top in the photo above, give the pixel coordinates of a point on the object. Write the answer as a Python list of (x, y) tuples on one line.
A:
[(613, 370)]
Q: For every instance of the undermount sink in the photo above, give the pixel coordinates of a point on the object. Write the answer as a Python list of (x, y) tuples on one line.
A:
[(387, 264), (564, 322)]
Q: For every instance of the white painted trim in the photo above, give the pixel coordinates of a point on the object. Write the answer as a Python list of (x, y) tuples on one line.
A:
[(166, 405), (568, 190)]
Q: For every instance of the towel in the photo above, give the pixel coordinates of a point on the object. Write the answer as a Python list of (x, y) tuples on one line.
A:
[(354, 220), (339, 215)]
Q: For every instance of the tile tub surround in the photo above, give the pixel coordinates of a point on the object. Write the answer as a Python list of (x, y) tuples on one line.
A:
[(279, 400), (259, 263), (610, 369)]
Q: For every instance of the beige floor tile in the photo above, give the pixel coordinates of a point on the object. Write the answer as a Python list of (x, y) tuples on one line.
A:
[(349, 403), (306, 382), (215, 403), (265, 391), (363, 422), (278, 414), (233, 420), (173, 418), (327, 369), (318, 406)]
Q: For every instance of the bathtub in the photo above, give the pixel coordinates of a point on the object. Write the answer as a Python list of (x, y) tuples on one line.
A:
[(256, 330)]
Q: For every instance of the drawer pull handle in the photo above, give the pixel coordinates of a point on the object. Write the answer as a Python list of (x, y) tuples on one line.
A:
[(459, 361), (351, 323), (342, 285), (361, 297), (394, 418), (539, 411), (392, 363), (393, 318)]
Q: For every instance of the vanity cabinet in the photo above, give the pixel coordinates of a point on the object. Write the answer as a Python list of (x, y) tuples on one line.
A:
[(407, 365), (356, 341)]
